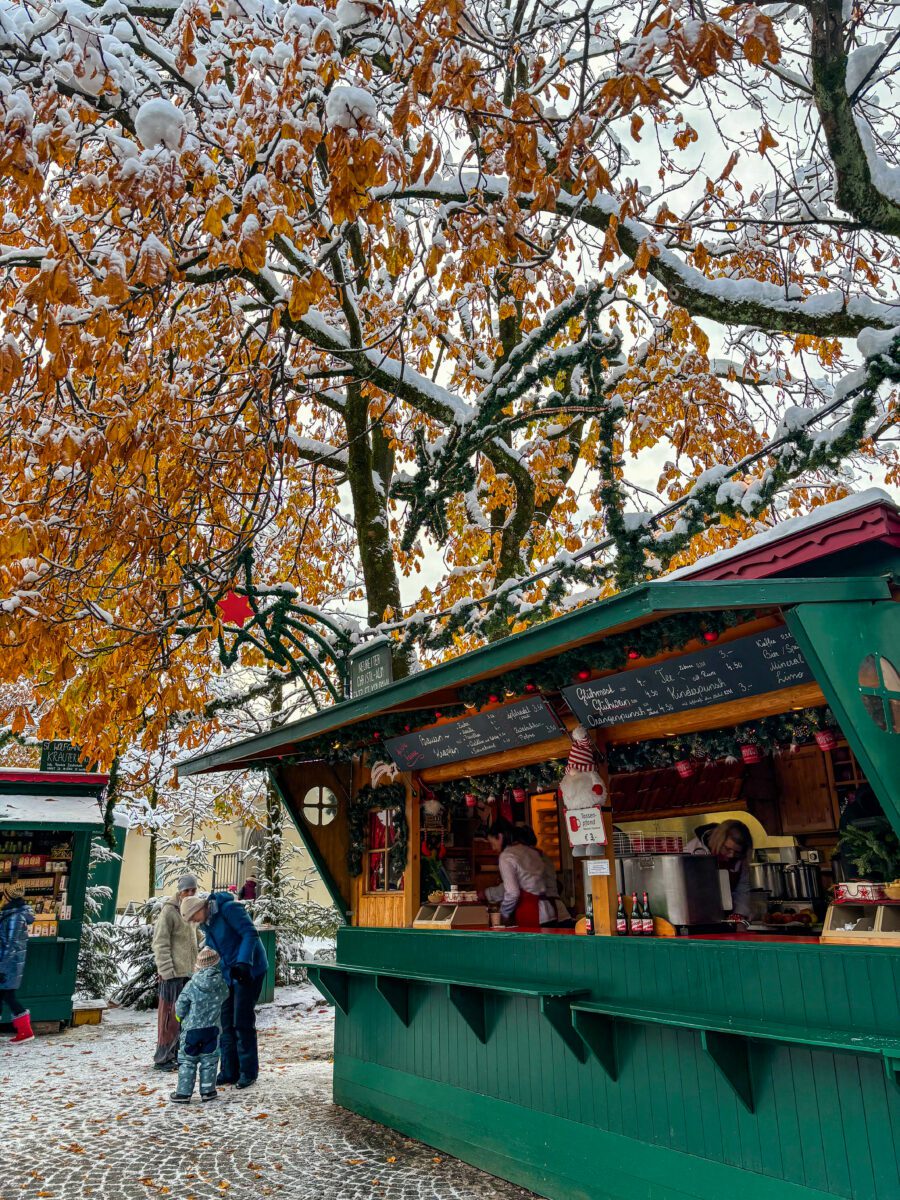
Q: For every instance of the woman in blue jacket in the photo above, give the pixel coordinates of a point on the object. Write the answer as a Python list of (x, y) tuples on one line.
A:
[(15, 917), (229, 931)]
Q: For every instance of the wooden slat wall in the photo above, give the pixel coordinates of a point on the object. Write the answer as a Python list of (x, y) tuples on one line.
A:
[(823, 1120)]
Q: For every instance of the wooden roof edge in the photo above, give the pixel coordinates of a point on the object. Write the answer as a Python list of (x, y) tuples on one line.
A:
[(639, 605)]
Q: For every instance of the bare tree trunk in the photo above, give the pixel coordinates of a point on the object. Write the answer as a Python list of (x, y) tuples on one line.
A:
[(370, 468), (154, 841)]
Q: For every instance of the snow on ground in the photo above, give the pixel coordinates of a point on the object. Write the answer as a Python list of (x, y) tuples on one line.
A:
[(88, 1117)]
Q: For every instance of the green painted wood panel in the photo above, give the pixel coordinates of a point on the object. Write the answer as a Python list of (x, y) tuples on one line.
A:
[(835, 638), (49, 979), (825, 1122), (51, 963)]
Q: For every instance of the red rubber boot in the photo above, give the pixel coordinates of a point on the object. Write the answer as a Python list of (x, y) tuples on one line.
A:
[(22, 1026)]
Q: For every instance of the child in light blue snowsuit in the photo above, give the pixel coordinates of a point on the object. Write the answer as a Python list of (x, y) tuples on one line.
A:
[(199, 1009)]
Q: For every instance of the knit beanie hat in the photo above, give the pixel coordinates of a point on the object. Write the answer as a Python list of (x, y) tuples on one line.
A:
[(187, 883), (193, 904), (14, 891), (206, 958), (582, 756)]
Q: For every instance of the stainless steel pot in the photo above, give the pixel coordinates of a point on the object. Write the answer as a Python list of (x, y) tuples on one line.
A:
[(770, 877), (802, 881)]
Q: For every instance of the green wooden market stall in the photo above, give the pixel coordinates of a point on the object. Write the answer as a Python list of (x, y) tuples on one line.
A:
[(47, 822), (763, 1064)]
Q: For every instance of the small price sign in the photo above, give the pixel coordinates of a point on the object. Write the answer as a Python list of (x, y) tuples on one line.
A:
[(598, 866), (585, 826)]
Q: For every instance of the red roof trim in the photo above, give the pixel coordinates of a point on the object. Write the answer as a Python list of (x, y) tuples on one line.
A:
[(11, 775), (878, 522)]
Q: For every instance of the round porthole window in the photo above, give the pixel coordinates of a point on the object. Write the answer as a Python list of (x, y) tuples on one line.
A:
[(320, 806)]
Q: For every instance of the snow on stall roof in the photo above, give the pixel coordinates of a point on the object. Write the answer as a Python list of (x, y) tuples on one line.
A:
[(818, 516), (68, 810)]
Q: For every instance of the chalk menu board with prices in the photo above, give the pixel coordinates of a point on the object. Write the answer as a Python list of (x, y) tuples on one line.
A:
[(749, 666), (519, 724)]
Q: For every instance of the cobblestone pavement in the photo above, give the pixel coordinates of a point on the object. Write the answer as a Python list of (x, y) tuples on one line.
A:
[(84, 1116)]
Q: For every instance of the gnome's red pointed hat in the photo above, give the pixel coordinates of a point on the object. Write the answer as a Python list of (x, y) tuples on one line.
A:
[(582, 784), (582, 756)]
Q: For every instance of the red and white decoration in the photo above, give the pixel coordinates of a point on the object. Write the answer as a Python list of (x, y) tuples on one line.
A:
[(384, 772), (583, 792)]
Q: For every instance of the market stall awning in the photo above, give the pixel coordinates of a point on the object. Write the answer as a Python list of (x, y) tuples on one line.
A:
[(50, 812), (628, 610)]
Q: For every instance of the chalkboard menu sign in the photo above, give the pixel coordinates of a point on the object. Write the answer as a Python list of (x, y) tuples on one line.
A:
[(370, 669), (61, 757), (519, 724), (749, 666)]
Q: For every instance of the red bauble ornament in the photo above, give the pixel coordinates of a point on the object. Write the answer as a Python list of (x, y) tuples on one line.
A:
[(376, 736), (584, 674), (437, 714), (530, 687), (632, 654), (235, 609), (493, 698), (710, 636)]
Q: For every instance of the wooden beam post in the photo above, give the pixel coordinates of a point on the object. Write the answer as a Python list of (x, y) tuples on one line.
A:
[(603, 887)]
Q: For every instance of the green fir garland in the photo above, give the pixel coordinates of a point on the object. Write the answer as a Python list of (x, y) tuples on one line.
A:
[(368, 799), (541, 777), (770, 734), (611, 654)]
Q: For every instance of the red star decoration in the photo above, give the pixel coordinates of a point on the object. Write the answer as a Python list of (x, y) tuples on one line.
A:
[(235, 609)]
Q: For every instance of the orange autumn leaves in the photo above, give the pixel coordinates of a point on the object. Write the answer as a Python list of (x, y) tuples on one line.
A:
[(170, 315)]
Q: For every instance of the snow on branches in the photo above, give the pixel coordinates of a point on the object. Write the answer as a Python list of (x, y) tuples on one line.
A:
[(339, 286)]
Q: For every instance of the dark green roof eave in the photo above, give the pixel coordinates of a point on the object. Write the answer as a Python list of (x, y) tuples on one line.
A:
[(642, 602)]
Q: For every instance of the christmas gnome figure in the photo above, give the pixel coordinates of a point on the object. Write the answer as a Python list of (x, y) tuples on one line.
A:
[(583, 791)]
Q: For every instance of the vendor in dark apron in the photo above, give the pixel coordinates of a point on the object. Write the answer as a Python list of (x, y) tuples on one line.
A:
[(522, 892)]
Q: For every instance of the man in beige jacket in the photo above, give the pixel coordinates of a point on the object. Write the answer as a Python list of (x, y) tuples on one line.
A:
[(175, 952)]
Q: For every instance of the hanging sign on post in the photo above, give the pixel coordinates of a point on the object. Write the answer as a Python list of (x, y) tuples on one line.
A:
[(370, 668), (585, 828)]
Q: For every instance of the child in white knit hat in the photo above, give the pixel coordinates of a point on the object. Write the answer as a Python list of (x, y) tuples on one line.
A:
[(199, 1009)]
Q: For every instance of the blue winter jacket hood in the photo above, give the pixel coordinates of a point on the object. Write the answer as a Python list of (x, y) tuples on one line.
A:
[(15, 917), (229, 930), (200, 1004)]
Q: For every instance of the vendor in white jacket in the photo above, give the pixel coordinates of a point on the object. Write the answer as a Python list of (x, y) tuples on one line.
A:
[(527, 897), (731, 842)]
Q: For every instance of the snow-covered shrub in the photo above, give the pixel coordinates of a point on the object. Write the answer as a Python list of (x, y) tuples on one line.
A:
[(140, 988), (98, 955)]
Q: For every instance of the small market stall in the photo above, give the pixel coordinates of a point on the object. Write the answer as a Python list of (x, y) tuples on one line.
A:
[(47, 822), (758, 1058)]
